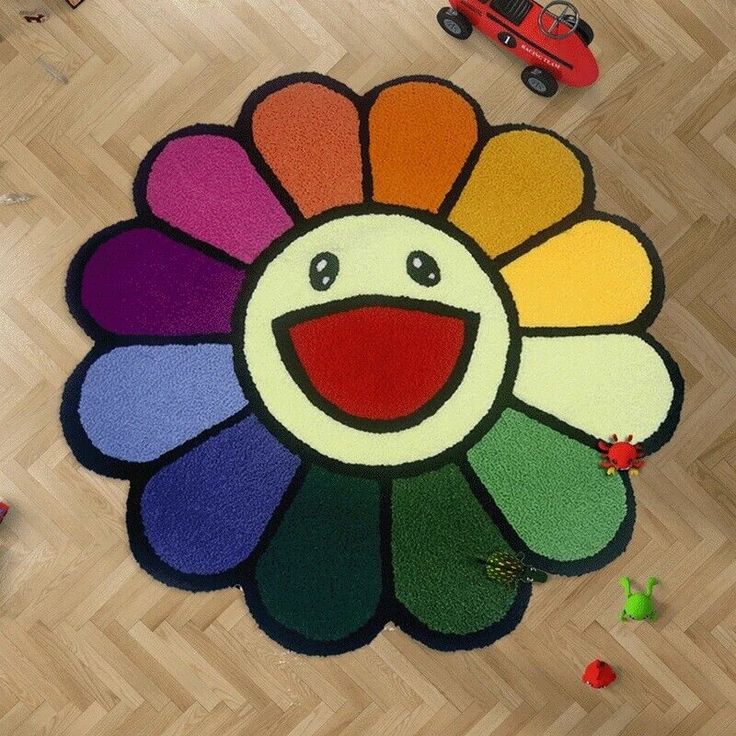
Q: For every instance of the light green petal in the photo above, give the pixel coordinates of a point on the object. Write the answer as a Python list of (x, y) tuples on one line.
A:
[(550, 488)]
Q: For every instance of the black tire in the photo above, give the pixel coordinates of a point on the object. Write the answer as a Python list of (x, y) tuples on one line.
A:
[(455, 24), (585, 32), (539, 81)]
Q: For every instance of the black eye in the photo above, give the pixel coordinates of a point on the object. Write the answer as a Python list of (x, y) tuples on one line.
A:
[(422, 268), (323, 271)]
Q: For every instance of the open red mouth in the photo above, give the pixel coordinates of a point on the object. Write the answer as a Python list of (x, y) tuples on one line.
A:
[(379, 363)]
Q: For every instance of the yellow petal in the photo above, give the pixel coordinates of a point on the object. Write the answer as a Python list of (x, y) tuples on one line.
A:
[(524, 181), (595, 273)]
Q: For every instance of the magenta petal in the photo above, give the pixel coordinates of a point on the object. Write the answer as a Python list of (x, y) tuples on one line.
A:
[(141, 282), (205, 185)]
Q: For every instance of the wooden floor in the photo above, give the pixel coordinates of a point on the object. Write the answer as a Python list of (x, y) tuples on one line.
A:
[(89, 644)]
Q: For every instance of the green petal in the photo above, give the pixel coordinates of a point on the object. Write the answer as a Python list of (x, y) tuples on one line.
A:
[(320, 575), (550, 488), (439, 535)]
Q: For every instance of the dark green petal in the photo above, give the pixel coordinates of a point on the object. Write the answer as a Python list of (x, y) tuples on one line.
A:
[(550, 488), (320, 575), (440, 536)]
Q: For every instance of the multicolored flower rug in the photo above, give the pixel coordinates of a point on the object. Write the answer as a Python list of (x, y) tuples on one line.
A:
[(353, 345)]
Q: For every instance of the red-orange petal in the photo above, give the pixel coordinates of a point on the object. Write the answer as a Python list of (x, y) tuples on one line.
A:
[(308, 135), (420, 135)]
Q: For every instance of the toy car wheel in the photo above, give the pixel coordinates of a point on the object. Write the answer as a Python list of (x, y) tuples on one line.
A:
[(539, 81), (585, 32), (454, 23)]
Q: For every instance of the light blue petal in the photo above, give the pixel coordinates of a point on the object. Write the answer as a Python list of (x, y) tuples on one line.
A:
[(141, 401)]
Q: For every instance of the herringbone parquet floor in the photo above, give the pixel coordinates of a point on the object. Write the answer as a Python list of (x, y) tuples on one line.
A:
[(89, 644)]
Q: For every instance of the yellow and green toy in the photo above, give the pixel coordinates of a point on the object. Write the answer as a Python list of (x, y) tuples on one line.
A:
[(638, 606), (509, 568)]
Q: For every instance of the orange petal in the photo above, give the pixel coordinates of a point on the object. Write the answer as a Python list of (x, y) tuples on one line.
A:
[(525, 180), (420, 135), (308, 134)]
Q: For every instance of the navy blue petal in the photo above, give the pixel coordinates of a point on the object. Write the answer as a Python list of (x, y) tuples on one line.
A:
[(205, 512)]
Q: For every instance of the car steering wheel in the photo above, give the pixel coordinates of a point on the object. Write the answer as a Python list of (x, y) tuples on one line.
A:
[(567, 16)]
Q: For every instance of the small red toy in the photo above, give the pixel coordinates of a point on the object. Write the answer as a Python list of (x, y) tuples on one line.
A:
[(598, 674), (4, 508), (553, 39), (621, 455)]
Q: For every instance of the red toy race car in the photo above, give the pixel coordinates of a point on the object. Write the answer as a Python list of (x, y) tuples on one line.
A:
[(553, 39)]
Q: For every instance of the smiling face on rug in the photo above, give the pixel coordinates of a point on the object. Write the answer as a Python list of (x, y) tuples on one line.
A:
[(354, 345), (377, 339)]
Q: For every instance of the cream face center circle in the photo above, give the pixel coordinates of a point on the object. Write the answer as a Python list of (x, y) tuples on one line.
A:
[(375, 340)]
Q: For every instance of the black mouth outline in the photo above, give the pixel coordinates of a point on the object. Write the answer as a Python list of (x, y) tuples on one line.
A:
[(281, 326)]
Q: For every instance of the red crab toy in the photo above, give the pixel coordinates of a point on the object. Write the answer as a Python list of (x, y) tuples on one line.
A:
[(598, 674), (621, 455)]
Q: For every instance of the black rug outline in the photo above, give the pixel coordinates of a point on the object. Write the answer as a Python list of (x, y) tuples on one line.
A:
[(139, 473)]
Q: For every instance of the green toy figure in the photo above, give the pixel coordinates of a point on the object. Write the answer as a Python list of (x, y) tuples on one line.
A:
[(638, 606)]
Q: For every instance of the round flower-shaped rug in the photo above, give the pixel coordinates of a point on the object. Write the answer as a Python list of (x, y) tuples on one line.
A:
[(354, 345)]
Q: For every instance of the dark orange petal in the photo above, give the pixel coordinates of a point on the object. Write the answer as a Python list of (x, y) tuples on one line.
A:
[(308, 134), (420, 135), (524, 181)]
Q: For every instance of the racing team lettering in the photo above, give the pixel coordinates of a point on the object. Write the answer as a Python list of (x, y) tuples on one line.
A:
[(538, 55)]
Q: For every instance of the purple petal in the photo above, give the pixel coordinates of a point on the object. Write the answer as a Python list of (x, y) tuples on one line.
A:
[(141, 282)]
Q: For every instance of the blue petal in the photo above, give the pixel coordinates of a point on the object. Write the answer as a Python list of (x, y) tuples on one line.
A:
[(205, 512), (139, 402)]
